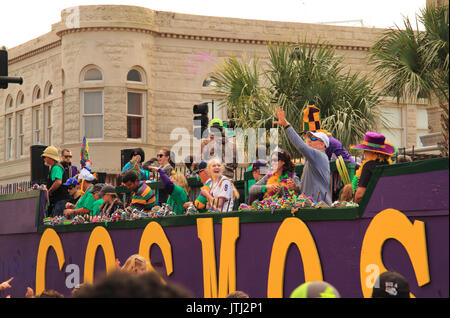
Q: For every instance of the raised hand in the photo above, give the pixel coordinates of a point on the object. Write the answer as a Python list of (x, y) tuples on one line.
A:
[(281, 118)]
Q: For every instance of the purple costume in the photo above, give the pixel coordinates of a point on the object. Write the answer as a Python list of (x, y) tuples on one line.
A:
[(336, 148)]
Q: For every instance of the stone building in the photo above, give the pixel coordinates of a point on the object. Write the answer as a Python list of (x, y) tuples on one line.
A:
[(126, 76)]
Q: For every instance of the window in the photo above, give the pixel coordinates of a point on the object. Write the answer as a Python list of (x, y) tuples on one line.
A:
[(20, 99), (93, 114), (9, 102), (422, 125), (20, 135), (393, 128), (135, 115), (134, 76), (9, 137), (36, 93), (93, 74), (49, 90), (36, 125), (48, 123)]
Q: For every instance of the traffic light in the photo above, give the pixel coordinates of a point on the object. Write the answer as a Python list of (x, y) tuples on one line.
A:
[(3, 67), (4, 78), (201, 119)]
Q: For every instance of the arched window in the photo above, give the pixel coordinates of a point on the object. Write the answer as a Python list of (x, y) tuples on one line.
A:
[(93, 74), (36, 93), (134, 76), (20, 99), (48, 90), (9, 102)]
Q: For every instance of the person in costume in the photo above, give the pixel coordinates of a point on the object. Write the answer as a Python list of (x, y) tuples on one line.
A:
[(259, 169), (135, 164), (279, 180), (111, 201), (142, 196), (176, 187), (221, 192), (85, 204), (55, 191), (316, 179), (165, 160), (203, 176), (377, 152)]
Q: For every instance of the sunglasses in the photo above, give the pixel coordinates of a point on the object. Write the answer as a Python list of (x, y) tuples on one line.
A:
[(159, 155), (275, 159), (67, 157), (313, 138)]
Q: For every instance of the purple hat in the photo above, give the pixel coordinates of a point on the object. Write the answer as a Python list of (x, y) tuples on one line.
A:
[(259, 164), (375, 142)]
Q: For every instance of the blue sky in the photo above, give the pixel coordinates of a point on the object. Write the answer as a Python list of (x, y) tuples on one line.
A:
[(21, 20)]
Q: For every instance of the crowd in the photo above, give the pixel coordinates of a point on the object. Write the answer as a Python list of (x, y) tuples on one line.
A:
[(135, 280), (75, 197)]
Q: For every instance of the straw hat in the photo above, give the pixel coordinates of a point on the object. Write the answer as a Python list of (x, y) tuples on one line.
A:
[(51, 152)]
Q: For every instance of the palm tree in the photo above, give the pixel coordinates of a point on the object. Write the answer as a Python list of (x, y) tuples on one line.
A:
[(414, 64), (296, 76)]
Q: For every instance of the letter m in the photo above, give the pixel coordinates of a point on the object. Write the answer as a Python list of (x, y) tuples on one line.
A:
[(227, 269)]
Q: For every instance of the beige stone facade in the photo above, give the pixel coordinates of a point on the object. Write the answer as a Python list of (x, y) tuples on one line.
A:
[(173, 54)]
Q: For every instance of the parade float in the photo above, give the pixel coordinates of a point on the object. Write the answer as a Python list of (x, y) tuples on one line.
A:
[(401, 225)]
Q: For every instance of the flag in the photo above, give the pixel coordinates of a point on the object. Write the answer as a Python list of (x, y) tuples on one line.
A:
[(84, 157)]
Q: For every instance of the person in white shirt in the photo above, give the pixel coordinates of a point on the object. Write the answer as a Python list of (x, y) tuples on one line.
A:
[(221, 193)]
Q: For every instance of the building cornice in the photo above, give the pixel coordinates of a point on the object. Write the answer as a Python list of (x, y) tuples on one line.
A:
[(170, 36)]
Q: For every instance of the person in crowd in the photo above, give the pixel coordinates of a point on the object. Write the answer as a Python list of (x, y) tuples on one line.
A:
[(47, 293), (153, 162), (71, 186), (391, 284), (316, 179), (111, 201), (85, 204), (238, 294), (191, 167), (203, 176), (122, 284), (222, 193), (259, 169), (98, 200), (6, 284), (377, 152), (336, 149), (281, 178), (70, 171), (135, 164), (55, 191), (135, 264), (220, 146), (142, 196), (176, 187), (316, 289), (166, 162)]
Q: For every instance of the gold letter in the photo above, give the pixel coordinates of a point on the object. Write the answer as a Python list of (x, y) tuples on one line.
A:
[(392, 224), (154, 234), (99, 237), (227, 271), (48, 239), (292, 230)]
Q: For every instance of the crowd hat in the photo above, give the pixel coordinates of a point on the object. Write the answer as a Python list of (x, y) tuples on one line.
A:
[(260, 163), (107, 189), (317, 289), (322, 136), (71, 182), (391, 285), (51, 152), (375, 142), (216, 122)]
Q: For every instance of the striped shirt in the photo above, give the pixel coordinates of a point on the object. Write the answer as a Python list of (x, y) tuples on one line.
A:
[(143, 198)]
